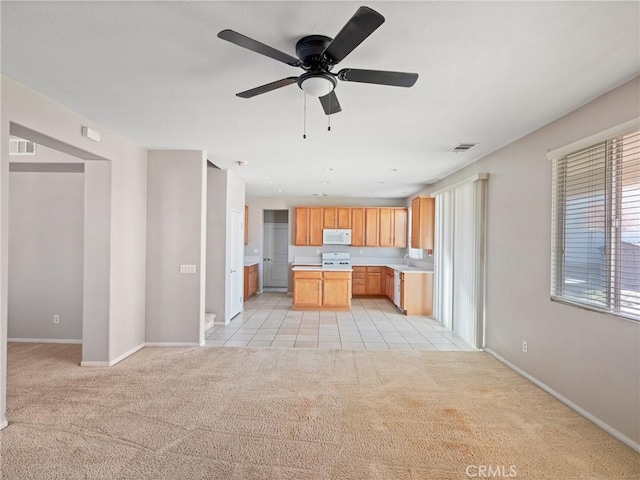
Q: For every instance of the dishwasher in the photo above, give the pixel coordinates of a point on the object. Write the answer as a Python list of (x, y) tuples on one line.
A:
[(396, 288)]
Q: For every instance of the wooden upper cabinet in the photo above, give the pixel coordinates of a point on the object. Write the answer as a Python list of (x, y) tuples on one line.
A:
[(393, 227), (423, 222), (386, 227), (246, 225), (336, 217), (330, 218), (315, 226), (357, 227), (344, 218), (308, 229), (371, 226), (400, 219), (302, 226)]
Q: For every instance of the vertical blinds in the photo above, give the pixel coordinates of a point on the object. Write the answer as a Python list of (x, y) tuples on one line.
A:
[(596, 227)]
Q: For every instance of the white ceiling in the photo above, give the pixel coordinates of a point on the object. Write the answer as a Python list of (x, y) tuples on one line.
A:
[(489, 73)]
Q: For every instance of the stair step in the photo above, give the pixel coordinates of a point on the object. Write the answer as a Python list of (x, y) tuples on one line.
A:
[(209, 320)]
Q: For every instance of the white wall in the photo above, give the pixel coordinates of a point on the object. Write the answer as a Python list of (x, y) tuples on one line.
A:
[(128, 162), (46, 222), (175, 233), (592, 359), (97, 263)]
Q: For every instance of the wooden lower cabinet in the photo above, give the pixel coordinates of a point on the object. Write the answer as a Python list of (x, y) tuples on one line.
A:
[(307, 289), (388, 284), (374, 281), (367, 281), (336, 290), (250, 281), (359, 286), (318, 290), (416, 293)]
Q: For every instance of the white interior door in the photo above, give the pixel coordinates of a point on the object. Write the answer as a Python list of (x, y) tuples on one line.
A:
[(276, 254), (236, 270)]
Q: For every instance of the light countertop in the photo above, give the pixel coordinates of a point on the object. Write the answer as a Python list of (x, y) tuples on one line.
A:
[(399, 267), (320, 268)]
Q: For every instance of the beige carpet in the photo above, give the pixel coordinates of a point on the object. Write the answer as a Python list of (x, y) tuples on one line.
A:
[(182, 413)]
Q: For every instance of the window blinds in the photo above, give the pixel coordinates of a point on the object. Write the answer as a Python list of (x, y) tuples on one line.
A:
[(596, 227)]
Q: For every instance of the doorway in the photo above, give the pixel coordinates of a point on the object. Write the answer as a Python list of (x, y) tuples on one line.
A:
[(74, 304), (275, 250)]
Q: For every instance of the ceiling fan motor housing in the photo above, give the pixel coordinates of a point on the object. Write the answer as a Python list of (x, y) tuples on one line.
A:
[(309, 51)]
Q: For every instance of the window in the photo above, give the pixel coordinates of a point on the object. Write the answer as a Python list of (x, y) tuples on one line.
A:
[(596, 226)]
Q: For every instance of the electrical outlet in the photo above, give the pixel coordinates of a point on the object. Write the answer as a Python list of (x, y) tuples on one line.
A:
[(56, 319), (524, 347)]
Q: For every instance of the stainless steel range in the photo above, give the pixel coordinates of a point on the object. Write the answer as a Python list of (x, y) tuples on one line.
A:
[(336, 260)]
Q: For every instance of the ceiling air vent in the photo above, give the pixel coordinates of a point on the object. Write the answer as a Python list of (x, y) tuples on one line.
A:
[(18, 146), (462, 147)]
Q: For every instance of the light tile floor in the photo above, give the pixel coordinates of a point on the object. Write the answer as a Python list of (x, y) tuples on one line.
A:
[(268, 320)]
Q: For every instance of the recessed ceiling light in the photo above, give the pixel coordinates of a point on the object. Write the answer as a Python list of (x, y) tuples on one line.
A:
[(280, 191), (319, 194), (394, 169), (272, 181), (328, 169)]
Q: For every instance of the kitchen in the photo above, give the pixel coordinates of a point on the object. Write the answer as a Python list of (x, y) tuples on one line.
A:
[(341, 252)]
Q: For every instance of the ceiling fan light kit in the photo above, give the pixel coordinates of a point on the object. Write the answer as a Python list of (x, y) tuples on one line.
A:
[(316, 85), (318, 54)]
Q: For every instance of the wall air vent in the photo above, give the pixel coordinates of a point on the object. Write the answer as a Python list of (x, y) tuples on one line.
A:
[(462, 147), (18, 146)]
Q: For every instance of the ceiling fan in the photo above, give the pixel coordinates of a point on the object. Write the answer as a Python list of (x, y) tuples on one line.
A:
[(318, 54)]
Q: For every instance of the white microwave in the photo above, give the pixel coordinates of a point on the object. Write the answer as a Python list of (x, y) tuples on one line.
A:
[(336, 236)]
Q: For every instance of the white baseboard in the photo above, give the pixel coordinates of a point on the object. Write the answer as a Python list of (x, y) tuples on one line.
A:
[(89, 363), (593, 419), (125, 355), (45, 340), (172, 344), (4, 423)]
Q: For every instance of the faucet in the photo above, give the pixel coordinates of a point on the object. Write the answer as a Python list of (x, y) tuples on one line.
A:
[(408, 259)]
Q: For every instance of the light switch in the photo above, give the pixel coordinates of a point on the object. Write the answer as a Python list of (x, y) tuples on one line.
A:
[(187, 269)]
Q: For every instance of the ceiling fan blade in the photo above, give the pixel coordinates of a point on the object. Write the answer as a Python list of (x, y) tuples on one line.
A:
[(255, 46), (363, 23), (267, 87), (380, 77), (330, 103)]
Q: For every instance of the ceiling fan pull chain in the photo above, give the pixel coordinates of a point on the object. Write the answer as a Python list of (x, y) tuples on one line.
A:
[(304, 121), (329, 127)]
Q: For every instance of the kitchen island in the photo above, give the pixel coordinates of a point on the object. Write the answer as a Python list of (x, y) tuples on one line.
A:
[(410, 288), (322, 288)]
